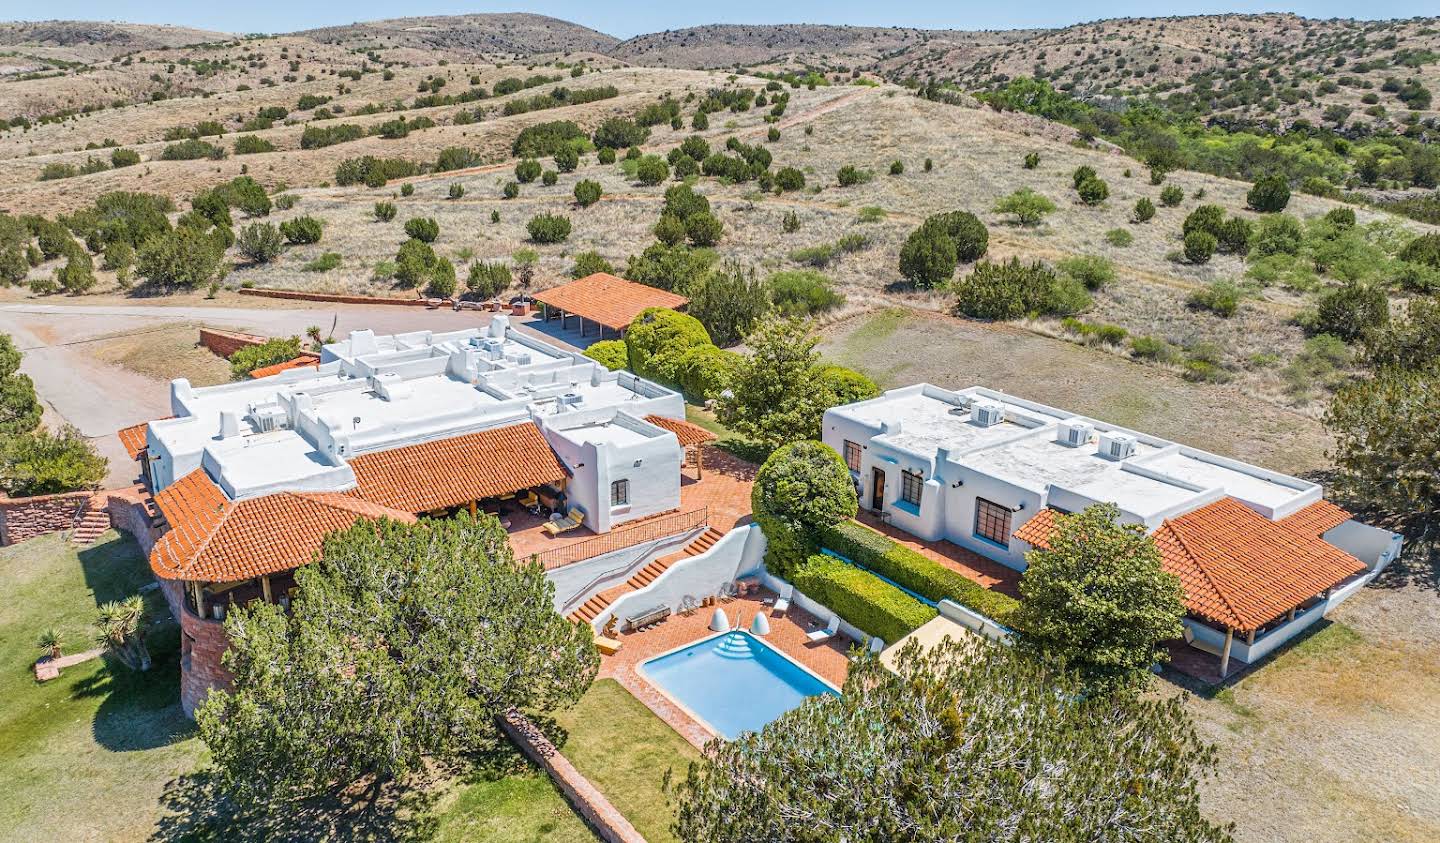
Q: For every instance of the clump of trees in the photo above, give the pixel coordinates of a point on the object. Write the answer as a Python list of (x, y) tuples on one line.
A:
[(1011, 290), (933, 249)]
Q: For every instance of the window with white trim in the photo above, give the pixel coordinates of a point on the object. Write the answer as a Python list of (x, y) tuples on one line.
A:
[(992, 522), (620, 493)]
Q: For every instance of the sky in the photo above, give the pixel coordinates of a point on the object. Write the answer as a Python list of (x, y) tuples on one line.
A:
[(624, 18)]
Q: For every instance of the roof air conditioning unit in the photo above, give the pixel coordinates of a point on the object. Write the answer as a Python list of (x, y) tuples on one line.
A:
[(268, 417), (570, 399), (1117, 446), (987, 413), (1075, 432), (391, 387)]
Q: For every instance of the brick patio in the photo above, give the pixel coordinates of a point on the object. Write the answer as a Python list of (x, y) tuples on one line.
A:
[(972, 565), (787, 634)]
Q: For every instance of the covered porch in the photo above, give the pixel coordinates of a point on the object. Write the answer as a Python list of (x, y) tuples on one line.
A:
[(602, 302)]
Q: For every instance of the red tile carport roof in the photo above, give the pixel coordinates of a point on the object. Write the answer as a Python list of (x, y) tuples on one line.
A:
[(1239, 569), (214, 539), (454, 471), (688, 433), (610, 301), (304, 360), (1317, 518)]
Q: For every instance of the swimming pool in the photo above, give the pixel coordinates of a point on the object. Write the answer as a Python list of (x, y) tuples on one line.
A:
[(733, 682)]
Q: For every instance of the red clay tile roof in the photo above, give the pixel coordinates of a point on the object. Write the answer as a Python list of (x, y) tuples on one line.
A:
[(688, 434), (133, 438), (1316, 518), (304, 360), (1239, 569), (450, 472), (214, 539), (613, 302)]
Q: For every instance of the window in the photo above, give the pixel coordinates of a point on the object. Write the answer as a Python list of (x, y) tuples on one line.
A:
[(620, 493), (992, 522), (910, 486), (852, 455)]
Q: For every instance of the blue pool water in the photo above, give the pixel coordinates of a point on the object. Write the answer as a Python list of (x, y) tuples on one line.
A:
[(734, 682)]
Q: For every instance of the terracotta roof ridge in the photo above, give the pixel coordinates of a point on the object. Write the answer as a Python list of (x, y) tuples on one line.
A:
[(1200, 563), (227, 508)]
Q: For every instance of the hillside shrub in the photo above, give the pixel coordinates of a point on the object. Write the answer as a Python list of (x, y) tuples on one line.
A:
[(1269, 195), (413, 262), (849, 175), (567, 158), (789, 179), (1119, 237), (620, 133), (1011, 290), (803, 292), (424, 229), (259, 242), (384, 211), (1092, 271), (510, 190), (1144, 210), (549, 138), (912, 570), (651, 170), (1093, 191), (1279, 234), (527, 170), (683, 202), (124, 157), (548, 228), (1233, 236), (928, 257), (251, 145), (1351, 312), (302, 230), (590, 262), (605, 156), (1199, 247), (609, 353), (456, 190), (861, 599), (703, 229), (1424, 250), (587, 192), (1171, 195), (669, 229), (1221, 298), (486, 280), (1028, 206), (1032, 160)]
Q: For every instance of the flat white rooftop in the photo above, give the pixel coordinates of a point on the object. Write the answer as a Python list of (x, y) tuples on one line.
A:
[(1237, 484), (926, 423)]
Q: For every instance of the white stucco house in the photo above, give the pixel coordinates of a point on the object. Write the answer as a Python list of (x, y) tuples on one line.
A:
[(1261, 555)]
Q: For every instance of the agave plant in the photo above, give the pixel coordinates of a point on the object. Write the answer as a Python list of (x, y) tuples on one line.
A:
[(51, 642), (121, 625)]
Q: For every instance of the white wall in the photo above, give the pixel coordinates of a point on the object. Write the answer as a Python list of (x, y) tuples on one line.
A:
[(738, 553)]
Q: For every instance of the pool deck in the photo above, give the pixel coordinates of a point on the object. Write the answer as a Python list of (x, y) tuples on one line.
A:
[(787, 634)]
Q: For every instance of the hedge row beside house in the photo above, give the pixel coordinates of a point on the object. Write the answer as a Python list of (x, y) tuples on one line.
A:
[(912, 570), (861, 598)]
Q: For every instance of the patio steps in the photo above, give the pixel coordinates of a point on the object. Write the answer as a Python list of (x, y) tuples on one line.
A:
[(591, 609), (90, 527)]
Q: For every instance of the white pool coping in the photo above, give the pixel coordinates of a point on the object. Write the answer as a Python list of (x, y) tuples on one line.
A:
[(640, 671)]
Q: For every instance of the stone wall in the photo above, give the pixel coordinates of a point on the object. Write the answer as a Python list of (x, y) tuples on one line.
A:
[(589, 802), (296, 295), (226, 343), (26, 518), (202, 643)]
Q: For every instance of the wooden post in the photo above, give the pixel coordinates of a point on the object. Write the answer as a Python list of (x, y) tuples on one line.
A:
[(699, 462), (1291, 615), (472, 509), (265, 589), (1225, 654), (199, 601), (1250, 639)]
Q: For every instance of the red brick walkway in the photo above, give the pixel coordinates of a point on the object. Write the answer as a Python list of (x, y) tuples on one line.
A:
[(787, 633), (988, 573)]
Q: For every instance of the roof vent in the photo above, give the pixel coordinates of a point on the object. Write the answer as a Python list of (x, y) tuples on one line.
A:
[(1074, 432), (570, 399), (229, 424), (268, 416), (390, 387), (987, 413), (1117, 446)]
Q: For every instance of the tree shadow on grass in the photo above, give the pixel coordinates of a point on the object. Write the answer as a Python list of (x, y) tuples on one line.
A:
[(140, 711)]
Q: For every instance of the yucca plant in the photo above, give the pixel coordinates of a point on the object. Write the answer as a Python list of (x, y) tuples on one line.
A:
[(121, 625), (51, 642)]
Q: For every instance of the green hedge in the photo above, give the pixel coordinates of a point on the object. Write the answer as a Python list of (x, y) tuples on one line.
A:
[(900, 564), (861, 598)]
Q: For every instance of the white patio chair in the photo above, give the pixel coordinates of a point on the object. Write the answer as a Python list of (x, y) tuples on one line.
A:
[(830, 631), (782, 602), (876, 645)]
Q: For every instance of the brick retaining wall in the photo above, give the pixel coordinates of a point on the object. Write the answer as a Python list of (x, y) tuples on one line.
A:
[(297, 295), (26, 518), (593, 807), (226, 343)]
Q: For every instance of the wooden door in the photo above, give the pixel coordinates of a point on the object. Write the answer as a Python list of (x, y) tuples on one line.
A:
[(877, 489)]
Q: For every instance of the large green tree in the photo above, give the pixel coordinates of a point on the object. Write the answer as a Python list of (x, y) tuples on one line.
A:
[(801, 487), (1387, 444), (1098, 601), (729, 301), (961, 742), (403, 646), (43, 463), (19, 406), (775, 393)]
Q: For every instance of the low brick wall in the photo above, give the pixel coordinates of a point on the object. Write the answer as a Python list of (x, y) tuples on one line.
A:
[(296, 295), (26, 518), (202, 643), (226, 343), (593, 807)]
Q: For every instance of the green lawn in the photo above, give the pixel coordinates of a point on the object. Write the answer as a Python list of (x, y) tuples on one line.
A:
[(86, 756), (625, 750), (91, 756)]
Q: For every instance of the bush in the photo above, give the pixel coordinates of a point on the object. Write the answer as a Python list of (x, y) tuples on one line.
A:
[(1032, 160), (1144, 211), (548, 228), (605, 156), (703, 371), (1151, 348), (191, 150), (124, 158), (326, 262), (728, 302), (413, 262), (897, 168), (1012, 290), (1233, 238), (1028, 206), (608, 353), (77, 275), (659, 330), (384, 211), (620, 133), (547, 139), (1269, 195), (1093, 191), (1090, 270), (488, 280), (669, 229), (676, 267), (1199, 246), (423, 229), (913, 571), (802, 487), (510, 190), (527, 170), (185, 257), (567, 158), (1351, 312), (407, 189), (45, 463), (846, 386), (1206, 218), (651, 170), (848, 176), (589, 263), (587, 192), (302, 230), (259, 242), (1119, 237), (1277, 235), (456, 190), (802, 292), (1171, 195), (442, 279), (1424, 250), (1082, 174), (1341, 218), (682, 202), (789, 178), (928, 257), (861, 599), (1221, 298), (252, 357), (703, 229), (252, 145)]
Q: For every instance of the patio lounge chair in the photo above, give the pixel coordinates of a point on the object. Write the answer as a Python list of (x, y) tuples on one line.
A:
[(782, 602), (830, 631), (876, 645), (558, 524)]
